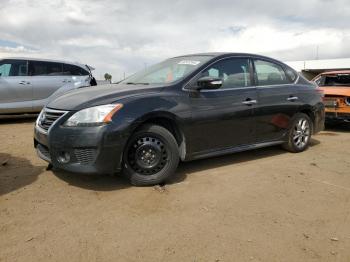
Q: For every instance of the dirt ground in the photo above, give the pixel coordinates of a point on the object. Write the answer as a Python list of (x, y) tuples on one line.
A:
[(263, 205)]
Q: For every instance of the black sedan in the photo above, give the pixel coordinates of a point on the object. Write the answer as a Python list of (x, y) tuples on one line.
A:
[(185, 108)]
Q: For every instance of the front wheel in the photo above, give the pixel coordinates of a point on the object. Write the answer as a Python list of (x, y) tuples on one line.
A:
[(151, 156), (299, 135)]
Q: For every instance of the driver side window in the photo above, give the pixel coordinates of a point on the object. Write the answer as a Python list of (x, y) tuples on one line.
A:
[(234, 72)]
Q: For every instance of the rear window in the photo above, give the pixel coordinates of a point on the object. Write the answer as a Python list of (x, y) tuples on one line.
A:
[(335, 80)]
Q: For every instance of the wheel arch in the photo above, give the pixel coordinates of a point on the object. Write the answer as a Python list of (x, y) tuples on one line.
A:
[(311, 114), (168, 121)]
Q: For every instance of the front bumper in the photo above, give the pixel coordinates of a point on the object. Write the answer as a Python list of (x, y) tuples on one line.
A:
[(337, 117), (92, 150)]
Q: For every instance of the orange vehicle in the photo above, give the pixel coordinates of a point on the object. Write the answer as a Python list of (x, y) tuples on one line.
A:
[(336, 88)]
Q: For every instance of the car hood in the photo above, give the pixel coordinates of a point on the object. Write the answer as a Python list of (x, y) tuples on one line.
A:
[(336, 91), (98, 95)]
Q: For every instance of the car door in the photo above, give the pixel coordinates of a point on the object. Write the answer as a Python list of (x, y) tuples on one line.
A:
[(47, 77), (223, 118), (16, 91), (278, 99)]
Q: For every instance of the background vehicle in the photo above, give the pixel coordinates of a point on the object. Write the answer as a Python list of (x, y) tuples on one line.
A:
[(184, 108), (27, 84), (336, 87)]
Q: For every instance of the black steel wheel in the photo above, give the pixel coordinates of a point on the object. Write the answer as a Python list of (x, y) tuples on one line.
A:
[(147, 155), (151, 156)]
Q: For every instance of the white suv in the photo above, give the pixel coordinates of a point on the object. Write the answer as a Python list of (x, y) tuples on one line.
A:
[(26, 85)]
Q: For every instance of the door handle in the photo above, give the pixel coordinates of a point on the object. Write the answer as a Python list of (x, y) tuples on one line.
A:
[(249, 102), (66, 81), (24, 83), (292, 98)]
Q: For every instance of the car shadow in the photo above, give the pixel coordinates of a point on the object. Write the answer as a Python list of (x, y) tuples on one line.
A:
[(117, 182), (186, 168), (93, 182), (341, 127), (16, 173), (17, 119)]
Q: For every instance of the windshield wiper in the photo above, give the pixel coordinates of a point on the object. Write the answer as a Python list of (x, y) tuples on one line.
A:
[(132, 83)]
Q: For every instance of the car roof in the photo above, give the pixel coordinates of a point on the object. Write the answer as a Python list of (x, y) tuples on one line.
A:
[(49, 60), (220, 54), (229, 54), (335, 72)]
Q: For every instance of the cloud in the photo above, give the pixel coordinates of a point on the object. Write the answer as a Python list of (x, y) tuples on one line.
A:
[(289, 43), (122, 36)]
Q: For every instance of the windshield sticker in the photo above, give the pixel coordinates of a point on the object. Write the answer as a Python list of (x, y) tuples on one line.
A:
[(189, 62)]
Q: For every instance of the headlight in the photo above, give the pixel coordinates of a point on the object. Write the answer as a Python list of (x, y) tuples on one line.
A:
[(93, 116), (347, 101)]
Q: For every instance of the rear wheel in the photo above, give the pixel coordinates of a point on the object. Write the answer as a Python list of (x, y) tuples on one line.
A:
[(151, 156), (299, 135)]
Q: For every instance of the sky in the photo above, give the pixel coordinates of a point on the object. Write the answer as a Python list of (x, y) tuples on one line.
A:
[(124, 36)]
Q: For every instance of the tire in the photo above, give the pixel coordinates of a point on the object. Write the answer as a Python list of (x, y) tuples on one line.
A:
[(299, 134), (151, 156)]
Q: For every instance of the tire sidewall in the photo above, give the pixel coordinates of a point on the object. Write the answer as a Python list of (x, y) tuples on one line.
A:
[(173, 156), (291, 144)]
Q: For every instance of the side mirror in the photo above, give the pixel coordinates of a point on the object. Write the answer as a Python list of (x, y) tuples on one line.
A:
[(208, 82)]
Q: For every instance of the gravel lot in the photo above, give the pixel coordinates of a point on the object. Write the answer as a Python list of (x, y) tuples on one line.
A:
[(263, 205)]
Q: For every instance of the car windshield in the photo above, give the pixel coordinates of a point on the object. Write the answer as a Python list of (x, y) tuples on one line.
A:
[(168, 71), (336, 80)]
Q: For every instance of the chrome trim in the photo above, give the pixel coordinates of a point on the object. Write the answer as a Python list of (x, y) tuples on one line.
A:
[(43, 131), (249, 102), (223, 89), (292, 98), (274, 86), (39, 128)]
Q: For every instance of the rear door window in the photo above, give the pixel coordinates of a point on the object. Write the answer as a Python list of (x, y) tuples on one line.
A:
[(40, 68), (11, 67), (74, 70), (268, 73)]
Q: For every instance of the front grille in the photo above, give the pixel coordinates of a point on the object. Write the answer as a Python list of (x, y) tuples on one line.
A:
[(48, 117), (85, 156), (330, 103)]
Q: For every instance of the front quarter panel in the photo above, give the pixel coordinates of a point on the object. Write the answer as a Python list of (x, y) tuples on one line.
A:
[(171, 104)]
